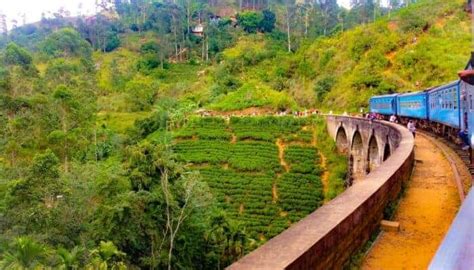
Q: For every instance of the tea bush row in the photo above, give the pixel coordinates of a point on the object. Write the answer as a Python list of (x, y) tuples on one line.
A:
[(243, 156), (302, 159)]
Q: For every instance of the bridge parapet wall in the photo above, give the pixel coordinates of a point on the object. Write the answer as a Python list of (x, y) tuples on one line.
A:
[(327, 238)]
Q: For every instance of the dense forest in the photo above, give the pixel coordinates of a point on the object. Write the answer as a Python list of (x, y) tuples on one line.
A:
[(97, 127)]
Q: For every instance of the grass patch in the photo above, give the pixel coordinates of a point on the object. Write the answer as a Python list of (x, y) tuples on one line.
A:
[(253, 95), (119, 122)]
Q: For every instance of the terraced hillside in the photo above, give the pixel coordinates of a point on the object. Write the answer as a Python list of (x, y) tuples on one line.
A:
[(265, 172)]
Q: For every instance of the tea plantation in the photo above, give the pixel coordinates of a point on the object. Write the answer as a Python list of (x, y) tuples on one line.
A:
[(264, 172)]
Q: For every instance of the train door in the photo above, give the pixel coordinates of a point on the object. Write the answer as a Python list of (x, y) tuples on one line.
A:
[(467, 109)]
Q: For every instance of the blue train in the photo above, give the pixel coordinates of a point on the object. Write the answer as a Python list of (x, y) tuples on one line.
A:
[(444, 110)]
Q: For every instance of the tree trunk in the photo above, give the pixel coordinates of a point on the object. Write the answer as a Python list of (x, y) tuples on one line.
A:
[(203, 49), (288, 27), (175, 43), (188, 18), (207, 50), (306, 18)]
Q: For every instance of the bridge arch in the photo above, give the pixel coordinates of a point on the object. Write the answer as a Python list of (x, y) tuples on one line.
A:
[(357, 154), (373, 156), (386, 151), (342, 143)]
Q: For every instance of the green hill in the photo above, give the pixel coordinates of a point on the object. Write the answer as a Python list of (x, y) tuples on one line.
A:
[(418, 47)]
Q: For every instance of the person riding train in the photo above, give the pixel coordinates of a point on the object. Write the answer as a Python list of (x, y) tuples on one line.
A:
[(464, 135)]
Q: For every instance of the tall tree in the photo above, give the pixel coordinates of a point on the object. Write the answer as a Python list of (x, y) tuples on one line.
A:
[(364, 10), (330, 11), (289, 13), (3, 25)]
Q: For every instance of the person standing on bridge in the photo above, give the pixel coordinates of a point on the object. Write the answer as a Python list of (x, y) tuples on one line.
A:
[(393, 118), (411, 127)]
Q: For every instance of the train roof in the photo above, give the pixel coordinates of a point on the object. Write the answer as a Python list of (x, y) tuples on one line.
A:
[(441, 87), (411, 93), (384, 96)]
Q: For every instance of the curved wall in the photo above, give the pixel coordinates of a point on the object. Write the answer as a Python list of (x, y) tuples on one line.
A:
[(327, 238)]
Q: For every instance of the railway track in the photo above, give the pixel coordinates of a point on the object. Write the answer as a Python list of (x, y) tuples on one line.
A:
[(459, 159)]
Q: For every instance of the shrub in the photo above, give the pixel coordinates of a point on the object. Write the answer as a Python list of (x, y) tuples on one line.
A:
[(411, 21), (323, 86), (250, 20)]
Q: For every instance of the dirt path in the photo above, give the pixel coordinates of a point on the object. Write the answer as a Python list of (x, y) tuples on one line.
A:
[(274, 193), (324, 176), (281, 152), (425, 214)]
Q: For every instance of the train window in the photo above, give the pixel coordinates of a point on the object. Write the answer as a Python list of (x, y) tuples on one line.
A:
[(455, 104)]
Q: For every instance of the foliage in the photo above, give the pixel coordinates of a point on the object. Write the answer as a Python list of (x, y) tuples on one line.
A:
[(302, 160), (66, 43), (15, 55), (101, 32), (336, 164), (411, 21), (25, 254), (250, 21), (141, 94), (323, 86), (252, 95), (267, 24)]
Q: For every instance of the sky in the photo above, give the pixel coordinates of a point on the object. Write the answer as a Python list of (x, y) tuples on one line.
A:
[(32, 9)]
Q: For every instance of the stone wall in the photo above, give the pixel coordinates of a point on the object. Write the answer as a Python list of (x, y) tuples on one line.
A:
[(330, 235)]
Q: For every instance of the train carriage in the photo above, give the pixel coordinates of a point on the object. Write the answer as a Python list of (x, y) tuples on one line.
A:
[(413, 105), (386, 104), (444, 105)]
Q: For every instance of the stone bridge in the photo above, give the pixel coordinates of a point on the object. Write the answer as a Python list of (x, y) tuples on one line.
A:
[(367, 143), (381, 157)]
